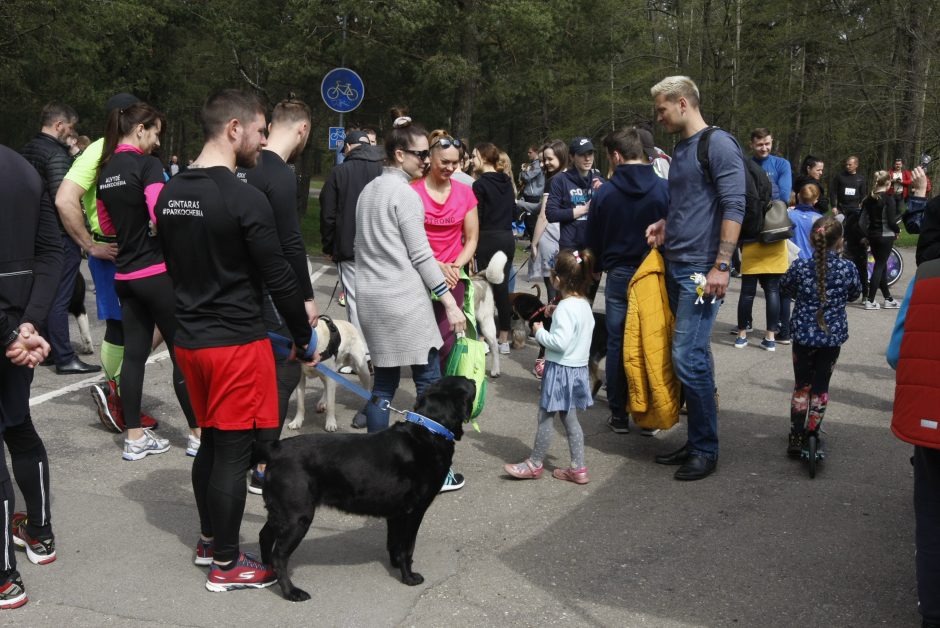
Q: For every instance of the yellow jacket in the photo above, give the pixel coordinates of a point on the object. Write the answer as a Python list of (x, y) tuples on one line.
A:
[(647, 351)]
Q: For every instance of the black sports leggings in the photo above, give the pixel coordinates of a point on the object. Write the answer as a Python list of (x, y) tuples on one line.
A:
[(812, 370), (880, 250), (145, 302), (219, 485), (490, 242)]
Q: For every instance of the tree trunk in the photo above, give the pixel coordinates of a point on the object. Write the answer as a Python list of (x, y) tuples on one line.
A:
[(467, 88)]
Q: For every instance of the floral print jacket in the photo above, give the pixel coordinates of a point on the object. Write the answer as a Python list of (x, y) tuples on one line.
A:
[(842, 286)]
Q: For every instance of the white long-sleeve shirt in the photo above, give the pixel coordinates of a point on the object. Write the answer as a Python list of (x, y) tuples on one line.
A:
[(569, 341)]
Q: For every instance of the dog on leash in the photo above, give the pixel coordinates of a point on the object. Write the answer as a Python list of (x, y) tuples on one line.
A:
[(529, 305), (394, 474), (77, 309), (484, 306), (339, 344)]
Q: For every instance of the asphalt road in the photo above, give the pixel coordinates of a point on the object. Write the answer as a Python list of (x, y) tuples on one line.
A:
[(756, 544)]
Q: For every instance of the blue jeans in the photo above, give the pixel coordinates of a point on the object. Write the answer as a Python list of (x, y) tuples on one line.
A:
[(57, 323), (771, 286), (386, 383), (786, 310), (692, 355), (615, 303)]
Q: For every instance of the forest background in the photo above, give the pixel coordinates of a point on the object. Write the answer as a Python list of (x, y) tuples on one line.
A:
[(828, 77)]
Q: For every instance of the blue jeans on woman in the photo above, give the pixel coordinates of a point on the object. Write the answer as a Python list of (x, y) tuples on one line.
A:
[(771, 286), (386, 381), (615, 302), (692, 355)]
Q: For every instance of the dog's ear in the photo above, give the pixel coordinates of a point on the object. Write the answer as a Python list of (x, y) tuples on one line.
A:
[(470, 395)]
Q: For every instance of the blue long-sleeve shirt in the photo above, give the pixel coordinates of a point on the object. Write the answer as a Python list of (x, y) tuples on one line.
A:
[(697, 206), (781, 177)]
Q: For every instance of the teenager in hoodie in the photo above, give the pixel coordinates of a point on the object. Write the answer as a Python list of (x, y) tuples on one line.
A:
[(616, 232), (496, 202), (569, 199)]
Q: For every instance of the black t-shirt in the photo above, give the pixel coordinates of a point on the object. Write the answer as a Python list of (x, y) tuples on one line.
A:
[(127, 186), (220, 244), (496, 201)]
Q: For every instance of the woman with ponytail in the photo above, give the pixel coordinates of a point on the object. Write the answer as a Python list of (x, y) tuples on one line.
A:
[(820, 288), (880, 220)]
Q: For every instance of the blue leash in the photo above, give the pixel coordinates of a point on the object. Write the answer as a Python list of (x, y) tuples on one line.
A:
[(282, 348)]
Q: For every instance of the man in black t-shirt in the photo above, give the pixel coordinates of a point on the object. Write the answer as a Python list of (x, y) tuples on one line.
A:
[(221, 244)]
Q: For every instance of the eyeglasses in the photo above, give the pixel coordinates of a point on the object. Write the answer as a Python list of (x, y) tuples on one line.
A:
[(447, 142), (420, 154)]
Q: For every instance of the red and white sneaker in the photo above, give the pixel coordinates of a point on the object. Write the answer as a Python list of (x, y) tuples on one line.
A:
[(204, 553), (38, 551), (248, 573), (539, 369), (12, 591), (111, 411)]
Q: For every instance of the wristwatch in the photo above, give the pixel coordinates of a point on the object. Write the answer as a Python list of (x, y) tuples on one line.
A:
[(11, 337), (722, 266)]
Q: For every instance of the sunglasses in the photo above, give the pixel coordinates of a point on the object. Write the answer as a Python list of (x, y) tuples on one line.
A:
[(447, 142), (420, 154)]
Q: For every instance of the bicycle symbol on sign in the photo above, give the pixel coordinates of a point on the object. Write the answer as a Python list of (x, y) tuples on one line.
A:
[(342, 89)]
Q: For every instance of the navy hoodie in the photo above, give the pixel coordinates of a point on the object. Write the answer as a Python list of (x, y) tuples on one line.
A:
[(568, 190), (622, 209)]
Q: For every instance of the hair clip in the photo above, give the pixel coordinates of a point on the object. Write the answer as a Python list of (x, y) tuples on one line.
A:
[(577, 256), (821, 230), (401, 122)]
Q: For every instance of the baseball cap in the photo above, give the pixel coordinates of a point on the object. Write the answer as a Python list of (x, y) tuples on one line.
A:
[(581, 145), (357, 137), (648, 146), (120, 101)]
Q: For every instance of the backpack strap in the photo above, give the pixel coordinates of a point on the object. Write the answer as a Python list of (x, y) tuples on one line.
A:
[(702, 152)]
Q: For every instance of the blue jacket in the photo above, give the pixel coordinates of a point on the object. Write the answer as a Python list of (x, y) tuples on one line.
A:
[(803, 217), (634, 198), (568, 190), (778, 169)]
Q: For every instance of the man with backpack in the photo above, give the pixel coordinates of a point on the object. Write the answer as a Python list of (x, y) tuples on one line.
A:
[(700, 232)]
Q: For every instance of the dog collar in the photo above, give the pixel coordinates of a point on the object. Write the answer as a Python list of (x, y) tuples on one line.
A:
[(429, 425), (537, 312)]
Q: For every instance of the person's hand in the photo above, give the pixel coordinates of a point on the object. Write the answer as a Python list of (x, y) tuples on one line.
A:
[(455, 316), (313, 313), (104, 251), (835, 211), (580, 210), (534, 250), (29, 349), (550, 309), (451, 274), (656, 233), (536, 326), (918, 182), (298, 353), (596, 184), (716, 283)]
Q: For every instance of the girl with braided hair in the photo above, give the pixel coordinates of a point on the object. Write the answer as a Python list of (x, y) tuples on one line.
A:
[(820, 288)]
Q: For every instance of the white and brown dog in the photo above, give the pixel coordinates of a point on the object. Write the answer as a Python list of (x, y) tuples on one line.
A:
[(339, 344), (484, 306)]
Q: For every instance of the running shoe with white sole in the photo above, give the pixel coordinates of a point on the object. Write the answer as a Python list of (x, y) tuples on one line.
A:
[(12, 591), (256, 482), (192, 445), (204, 552), (453, 482), (38, 551), (247, 573), (891, 304), (148, 444), (105, 415)]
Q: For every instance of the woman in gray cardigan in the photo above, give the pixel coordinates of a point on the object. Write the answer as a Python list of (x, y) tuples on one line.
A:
[(395, 269)]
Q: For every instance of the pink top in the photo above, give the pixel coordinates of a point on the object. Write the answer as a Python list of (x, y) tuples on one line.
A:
[(444, 222)]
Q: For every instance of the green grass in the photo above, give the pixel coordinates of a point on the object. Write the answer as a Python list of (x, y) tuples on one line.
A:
[(310, 228), (906, 239)]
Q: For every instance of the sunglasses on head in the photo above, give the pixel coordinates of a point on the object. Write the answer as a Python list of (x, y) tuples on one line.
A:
[(420, 154), (447, 142)]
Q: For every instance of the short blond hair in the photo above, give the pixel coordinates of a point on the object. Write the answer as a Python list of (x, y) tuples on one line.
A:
[(676, 87)]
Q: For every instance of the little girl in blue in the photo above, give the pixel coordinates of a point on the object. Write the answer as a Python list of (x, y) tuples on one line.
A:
[(565, 384), (821, 287)]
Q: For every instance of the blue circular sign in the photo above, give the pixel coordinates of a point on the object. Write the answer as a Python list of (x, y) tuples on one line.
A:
[(342, 90)]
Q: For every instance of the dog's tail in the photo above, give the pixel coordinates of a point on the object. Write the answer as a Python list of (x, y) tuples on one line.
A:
[(494, 270), (538, 292)]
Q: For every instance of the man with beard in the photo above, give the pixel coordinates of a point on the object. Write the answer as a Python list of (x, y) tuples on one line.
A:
[(221, 244)]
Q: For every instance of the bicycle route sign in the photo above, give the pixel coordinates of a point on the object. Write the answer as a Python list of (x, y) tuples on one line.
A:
[(342, 90)]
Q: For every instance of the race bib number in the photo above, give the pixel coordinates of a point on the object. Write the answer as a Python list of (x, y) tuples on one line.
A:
[(850, 191)]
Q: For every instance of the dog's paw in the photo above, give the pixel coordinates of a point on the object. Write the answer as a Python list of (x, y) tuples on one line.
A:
[(321, 407), (297, 595), (330, 425), (295, 424), (413, 580)]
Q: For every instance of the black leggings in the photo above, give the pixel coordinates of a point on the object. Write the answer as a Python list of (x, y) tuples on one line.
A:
[(219, 485), (31, 470), (114, 332), (145, 302), (812, 370), (288, 376), (880, 250), (490, 242)]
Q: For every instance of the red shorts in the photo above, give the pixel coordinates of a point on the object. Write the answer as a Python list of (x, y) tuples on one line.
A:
[(231, 388)]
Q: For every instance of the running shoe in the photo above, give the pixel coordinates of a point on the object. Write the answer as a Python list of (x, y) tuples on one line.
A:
[(740, 343), (618, 425), (256, 483), (346, 370), (342, 299), (360, 421), (504, 348), (736, 331), (247, 573), (203, 553), (106, 412), (148, 422), (12, 591), (891, 304), (871, 305), (192, 445), (148, 444), (453, 482), (38, 551), (768, 345), (578, 476), (783, 340), (649, 432)]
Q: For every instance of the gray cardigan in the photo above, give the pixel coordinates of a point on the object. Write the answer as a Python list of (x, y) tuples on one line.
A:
[(395, 268)]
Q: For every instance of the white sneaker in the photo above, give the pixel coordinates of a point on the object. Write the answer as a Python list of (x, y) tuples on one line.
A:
[(192, 445), (891, 304), (346, 370), (871, 305), (503, 348), (148, 444)]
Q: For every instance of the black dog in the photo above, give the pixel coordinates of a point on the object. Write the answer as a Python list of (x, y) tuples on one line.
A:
[(394, 474)]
